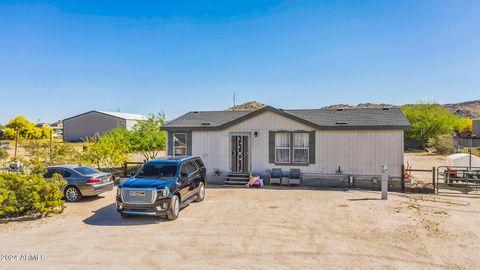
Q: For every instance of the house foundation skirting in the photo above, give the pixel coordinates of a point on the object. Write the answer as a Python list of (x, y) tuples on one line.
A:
[(365, 182)]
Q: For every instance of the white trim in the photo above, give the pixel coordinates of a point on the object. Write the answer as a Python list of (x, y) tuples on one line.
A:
[(289, 147), (301, 148), (180, 147)]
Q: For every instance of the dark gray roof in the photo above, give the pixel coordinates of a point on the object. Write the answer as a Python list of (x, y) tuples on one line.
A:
[(355, 118)]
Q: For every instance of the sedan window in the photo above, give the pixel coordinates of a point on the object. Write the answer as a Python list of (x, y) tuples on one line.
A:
[(66, 174), (85, 170)]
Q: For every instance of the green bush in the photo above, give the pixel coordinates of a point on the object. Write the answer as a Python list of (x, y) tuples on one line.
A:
[(442, 144), (26, 194), (3, 156), (432, 120)]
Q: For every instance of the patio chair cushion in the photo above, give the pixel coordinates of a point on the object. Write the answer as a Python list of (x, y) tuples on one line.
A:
[(295, 173)]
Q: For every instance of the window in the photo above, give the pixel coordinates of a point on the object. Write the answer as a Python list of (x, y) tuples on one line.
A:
[(157, 170), (85, 170), (66, 174), (52, 172), (282, 148), (183, 169), (300, 147), (191, 167), (179, 144), (199, 163)]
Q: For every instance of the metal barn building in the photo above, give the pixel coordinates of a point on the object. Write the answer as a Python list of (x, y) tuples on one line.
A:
[(87, 125)]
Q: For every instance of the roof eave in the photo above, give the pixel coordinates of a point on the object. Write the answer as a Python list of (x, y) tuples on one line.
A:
[(163, 128)]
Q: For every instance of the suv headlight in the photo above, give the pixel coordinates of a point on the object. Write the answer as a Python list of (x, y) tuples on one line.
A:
[(164, 192)]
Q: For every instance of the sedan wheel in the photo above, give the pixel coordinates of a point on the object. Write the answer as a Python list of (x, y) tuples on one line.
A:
[(72, 194)]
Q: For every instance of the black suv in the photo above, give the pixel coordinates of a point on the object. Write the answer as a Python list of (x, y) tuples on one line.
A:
[(162, 186)]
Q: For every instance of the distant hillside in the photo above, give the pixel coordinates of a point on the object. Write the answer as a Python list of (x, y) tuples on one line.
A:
[(249, 106), (464, 109), (468, 108)]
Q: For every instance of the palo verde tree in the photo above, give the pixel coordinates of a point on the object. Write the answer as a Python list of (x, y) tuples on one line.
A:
[(432, 120), (147, 138), (109, 150), (25, 129)]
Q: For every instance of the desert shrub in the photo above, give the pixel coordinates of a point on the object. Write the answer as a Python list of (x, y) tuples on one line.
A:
[(65, 153), (3, 156), (26, 194), (442, 144), (109, 150)]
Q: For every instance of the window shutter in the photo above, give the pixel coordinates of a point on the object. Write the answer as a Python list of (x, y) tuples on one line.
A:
[(169, 143), (311, 148), (271, 146), (189, 143)]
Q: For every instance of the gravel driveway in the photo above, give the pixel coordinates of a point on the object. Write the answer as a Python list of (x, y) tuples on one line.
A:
[(257, 229)]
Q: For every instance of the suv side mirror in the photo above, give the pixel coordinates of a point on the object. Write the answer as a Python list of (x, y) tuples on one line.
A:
[(132, 174)]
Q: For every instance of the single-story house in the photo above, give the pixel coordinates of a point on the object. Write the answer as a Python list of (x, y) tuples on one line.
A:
[(87, 125), (328, 145)]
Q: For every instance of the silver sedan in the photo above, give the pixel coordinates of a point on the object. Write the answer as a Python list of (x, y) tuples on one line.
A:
[(81, 181)]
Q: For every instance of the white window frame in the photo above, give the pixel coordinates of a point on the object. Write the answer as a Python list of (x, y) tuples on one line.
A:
[(289, 148), (180, 147), (301, 148)]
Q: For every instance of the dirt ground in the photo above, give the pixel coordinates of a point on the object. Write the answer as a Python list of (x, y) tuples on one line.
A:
[(258, 229), (423, 160)]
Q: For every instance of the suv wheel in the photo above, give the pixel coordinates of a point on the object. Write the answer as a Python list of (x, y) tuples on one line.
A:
[(72, 194), (174, 209), (201, 192)]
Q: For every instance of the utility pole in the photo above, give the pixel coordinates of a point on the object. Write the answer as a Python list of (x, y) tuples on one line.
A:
[(234, 99)]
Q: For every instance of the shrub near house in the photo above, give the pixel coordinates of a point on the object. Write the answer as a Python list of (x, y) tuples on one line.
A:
[(29, 194)]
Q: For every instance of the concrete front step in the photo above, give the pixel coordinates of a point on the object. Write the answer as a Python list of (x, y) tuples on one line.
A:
[(238, 178), (235, 182), (235, 186)]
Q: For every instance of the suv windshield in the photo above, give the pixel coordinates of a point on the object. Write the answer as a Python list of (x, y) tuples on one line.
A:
[(157, 171), (85, 170)]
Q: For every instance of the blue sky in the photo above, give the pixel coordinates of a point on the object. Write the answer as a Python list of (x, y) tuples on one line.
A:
[(61, 58)]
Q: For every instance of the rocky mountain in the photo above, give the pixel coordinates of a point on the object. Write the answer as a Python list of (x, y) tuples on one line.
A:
[(249, 106), (464, 109)]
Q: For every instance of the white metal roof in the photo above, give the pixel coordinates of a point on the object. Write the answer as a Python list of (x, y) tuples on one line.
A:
[(127, 116)]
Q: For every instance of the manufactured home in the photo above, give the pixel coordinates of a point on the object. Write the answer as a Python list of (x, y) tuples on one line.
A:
[(331, 147), (87, 125)]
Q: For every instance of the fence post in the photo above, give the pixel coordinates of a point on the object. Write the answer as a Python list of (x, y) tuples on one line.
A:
[(403, 178), (434, 181), (125, 169)]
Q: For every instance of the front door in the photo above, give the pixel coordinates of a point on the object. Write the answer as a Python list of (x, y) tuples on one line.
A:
[(239, 153)]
